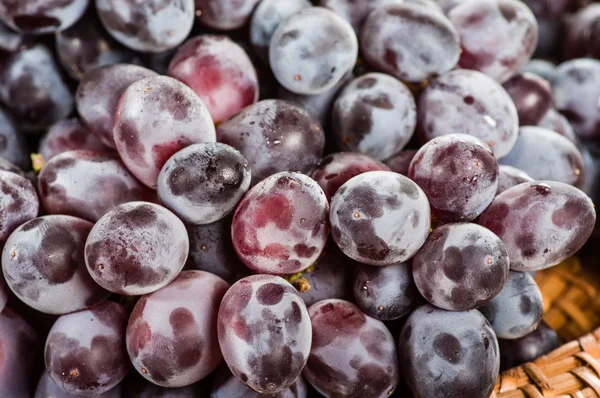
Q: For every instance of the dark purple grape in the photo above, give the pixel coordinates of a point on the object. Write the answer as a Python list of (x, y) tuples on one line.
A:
[(85, 350), (541, 67), (275, 136), (312, 51), (577, 94), (582, 34), (459, 175), (36, 17), (87, 184), (380, 218), (225, 385), (12, 143), (556, 122), (541, 223), (148, 26), (532, 96), (460, 267), (449, 354), (219, 71), (497, 37), (352, 354), (280, 226), (183, 350), (400, 162), (19, 202), (10, 40), (509, 177), (527, 348), (410, 42), (385, 293), (374, 114), (33, 90), (517, 309), (471, 103), (98, 95), (46, 388), (264, 332), (546, 155), (155, 118), (44, 266), (225, 14), (136, 248), (67, 135), (135, 386)]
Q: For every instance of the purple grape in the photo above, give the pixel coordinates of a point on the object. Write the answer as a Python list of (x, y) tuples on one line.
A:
[(136, 248), (374, 114), (67, 135), (497, 37), (33, 90), (352, 354), (275, 136), (556, 122), (155, 118), (541, 67), (148, 26), (546, 155), (87, 184), (449, 354), (532, 96), (541, 223), (135, 386), (46, 388), (471, 103), (44, 266), (85, 350), (582, 34), (264, 332), (410, 42), (219, 71), (312, 51), (4, 293), (577, 94), (12, 143), (280, 226), (98, 94), (184, 350), (36, 17), (380, 218), (225, 14), (400, 162), (459, 175), (527, 348), (517, 309), (18, 203), (509, 177), (225, 385)]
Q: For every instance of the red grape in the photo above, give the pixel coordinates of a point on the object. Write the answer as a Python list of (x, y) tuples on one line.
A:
[(225, 14), (37, 17), (66, 135), (18, 203), (532, 96), (400, 162)]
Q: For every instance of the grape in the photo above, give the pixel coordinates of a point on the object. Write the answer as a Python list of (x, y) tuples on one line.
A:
[(44, 266), (352, 355), (355, 12), (374, 114), (410, 42), (85, 350), (10, 40), (582, 34), (509, 177), (136, 248), (185, 349), (385, 293), (275, 136), (556, 122), (471, 103), (532, 96), (36, 17), (380, 218), (541, 67), (148, 26), (203, 183), (219, 71), (87, 184), (312, 51), (18, 203), (159, 62), (4, 293), (517, 309), (577, 93), (459, 175), (527, 348), (225, 14), (19, 350), (225, 385), (448, 354), (546, 155), (264, 332), (400, 162), (497, 37), (135, 386), (280, 226), (33, 90), (46, 388), (155, 118), (550, 8), (66, 135), (448, 5), (12, 144), (267, 17), (337, 168), (541, 223)]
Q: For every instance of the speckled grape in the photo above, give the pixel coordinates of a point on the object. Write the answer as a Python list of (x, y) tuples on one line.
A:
[(225, 385), (225, 14), (36, 17), (67, 135), (18, 202), (532, 96), (509, 176)]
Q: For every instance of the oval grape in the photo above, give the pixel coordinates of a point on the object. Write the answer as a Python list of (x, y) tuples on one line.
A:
[(19, 203)]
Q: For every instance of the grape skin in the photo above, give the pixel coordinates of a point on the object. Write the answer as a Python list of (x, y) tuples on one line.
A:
[(13, 146), (4, 293), (18, 203), (135, 386), (37, 17), (225, 385), (541, 223), (225, 14), (264, 332), (581, 33), (556, 122), (541, 67), (46, 388), (509, 177), (532, 96), (67, 135), (527, 348), (400, 162), (190, 303)]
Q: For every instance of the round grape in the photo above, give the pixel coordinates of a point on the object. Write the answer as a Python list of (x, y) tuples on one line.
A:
[(532, 96), (541, 67), (225, 385), (527, 348), (18, 203), (12, 143), (46, 388), (400, 162), (556, 122), (37, 17), (67, 135), (225, 14), (582, 33), (509, 177)]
